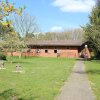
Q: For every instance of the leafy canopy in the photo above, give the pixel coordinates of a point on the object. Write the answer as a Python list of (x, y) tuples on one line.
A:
[(92, 29)]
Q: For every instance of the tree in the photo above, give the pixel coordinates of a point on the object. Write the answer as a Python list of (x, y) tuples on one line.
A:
[(25, 24), (92, 29), (7, 9), (72, 34), (9, 39), (12, 42)]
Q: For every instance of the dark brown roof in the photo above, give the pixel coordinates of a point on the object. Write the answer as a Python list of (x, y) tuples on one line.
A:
[(55, 43)]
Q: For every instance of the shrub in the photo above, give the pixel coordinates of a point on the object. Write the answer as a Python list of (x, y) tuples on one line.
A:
[(2, 56)]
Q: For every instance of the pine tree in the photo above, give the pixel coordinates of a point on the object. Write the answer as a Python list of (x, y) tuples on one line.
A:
[(92, 29)]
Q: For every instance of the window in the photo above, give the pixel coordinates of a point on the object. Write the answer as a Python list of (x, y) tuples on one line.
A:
[(37, 51), (46, 51), (55, 51)]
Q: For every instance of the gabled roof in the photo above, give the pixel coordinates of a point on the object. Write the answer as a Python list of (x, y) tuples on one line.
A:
[(55, 43)]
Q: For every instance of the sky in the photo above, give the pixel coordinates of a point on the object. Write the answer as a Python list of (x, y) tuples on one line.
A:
[(58, 15)]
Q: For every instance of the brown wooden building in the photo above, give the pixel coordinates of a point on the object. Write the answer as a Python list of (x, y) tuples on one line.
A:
[(68, 48)]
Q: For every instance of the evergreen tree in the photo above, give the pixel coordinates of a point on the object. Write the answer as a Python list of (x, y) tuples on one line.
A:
[(92, 29)]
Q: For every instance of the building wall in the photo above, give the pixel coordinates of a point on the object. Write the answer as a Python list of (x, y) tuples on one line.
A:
[(71, 52), (63, 53)]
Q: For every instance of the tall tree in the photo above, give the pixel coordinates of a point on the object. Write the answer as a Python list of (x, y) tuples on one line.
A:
[(9, 38), (25, 24), (92, 29)]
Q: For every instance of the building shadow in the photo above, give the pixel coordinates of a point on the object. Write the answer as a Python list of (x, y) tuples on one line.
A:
[(79, 72), (84, 59), (80, 59), (12, 94), (88, 72), (93, 72)]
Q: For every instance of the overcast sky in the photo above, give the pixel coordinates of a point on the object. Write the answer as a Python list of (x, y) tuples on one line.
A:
[(57, 15)]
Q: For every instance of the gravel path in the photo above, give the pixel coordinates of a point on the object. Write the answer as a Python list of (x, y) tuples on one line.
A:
[(77, 87)]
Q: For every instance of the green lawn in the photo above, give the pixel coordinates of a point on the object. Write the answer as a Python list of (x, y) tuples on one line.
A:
[(41, 78), (93, 71)]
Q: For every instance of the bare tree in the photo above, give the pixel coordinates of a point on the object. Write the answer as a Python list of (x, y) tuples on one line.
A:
[(72, 34), (25, 24), (75, 34)]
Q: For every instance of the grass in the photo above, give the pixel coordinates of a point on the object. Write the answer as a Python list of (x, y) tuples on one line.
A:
[(41, 78), (93, 71)]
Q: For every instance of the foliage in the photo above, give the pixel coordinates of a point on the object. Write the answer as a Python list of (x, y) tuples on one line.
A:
[(40, 79), (8, 36), (2, 56), (4, 29), (92, 29), (7, 8)]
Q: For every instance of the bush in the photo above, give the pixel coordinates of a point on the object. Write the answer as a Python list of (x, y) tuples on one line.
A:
[(2, 57)]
